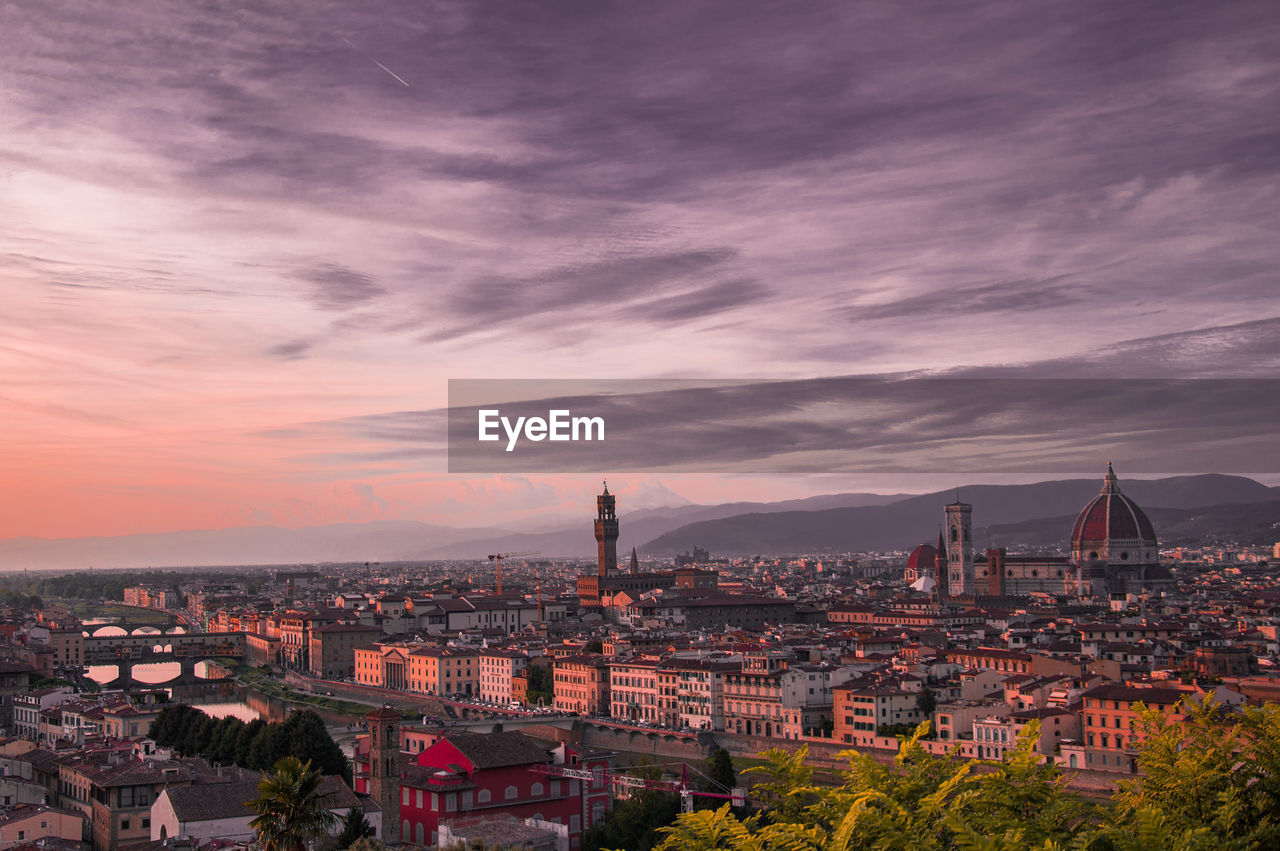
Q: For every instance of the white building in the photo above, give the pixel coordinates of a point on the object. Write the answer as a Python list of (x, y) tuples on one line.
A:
[(209, 811)]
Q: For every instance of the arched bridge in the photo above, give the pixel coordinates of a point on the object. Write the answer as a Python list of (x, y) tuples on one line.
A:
[(112, 649), (494, 725), (186, 675)]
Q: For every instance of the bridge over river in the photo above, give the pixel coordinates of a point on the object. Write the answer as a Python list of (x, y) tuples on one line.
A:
[(127, 652), (115, 649)]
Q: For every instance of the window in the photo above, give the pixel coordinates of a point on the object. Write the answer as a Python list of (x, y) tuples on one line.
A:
[(512, 792), (124, 824)]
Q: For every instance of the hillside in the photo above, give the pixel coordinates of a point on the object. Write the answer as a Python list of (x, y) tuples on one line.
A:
[(903, 524)]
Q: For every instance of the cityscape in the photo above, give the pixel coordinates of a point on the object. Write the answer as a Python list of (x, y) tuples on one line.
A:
[(514, 700), (601, 425)]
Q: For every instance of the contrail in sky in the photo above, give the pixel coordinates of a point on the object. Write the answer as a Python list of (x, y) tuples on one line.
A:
[(375, 62)]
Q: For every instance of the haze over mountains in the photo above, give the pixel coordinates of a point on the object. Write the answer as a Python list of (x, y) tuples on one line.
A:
[(1037, 515), (1047, 510)]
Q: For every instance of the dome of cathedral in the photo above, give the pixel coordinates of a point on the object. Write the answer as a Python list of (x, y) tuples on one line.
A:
[(922, 559), (1112, 527)]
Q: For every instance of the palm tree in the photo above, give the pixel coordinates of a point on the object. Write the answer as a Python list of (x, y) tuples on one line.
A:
[(291, 807)]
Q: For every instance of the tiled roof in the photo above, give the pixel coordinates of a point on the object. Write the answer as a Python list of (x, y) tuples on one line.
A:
[(495, 750), (213, 801)]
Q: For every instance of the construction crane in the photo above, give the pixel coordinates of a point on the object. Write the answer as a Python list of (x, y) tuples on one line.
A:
[(682, 787), (497, 558)]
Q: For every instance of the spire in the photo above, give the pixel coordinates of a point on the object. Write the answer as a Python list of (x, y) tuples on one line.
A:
[(635, 562), (606, 486), (1109, 484)]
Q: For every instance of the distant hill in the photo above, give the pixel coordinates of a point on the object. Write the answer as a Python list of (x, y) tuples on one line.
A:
[(839, 522), (382, 541), (1256, 523), (914, 520), (575, 540)]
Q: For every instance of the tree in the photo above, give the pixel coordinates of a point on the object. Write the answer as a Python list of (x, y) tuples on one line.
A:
[(634, 823), (1208, 769), (202, 742), (367, 843), (354, 826), (257, 745), (225, 740), (921, 801), (171, 724), (244, 741), (784, 785), (541, 684), (927, 702), (306, 736), (721, 778), (291, 807)]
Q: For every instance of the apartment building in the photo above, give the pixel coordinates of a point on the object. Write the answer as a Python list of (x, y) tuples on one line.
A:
[(1110, 716), (633, 690), (443, 671), (691, 692), (331, 648), (581, 684), (860, 710), (497, 669)]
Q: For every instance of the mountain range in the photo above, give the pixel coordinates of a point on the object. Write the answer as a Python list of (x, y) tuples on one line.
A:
[(1038, 515)]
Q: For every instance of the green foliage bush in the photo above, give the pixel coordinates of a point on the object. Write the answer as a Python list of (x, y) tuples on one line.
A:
[(1209, 781)]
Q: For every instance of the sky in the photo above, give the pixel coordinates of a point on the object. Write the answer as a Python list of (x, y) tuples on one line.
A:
[(244, 246)]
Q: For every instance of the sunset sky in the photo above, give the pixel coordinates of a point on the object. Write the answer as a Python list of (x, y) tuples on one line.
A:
[(244, 245)]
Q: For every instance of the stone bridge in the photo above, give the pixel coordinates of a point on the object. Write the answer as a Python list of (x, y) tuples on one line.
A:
[(526, 723), (186, 675), (115, 649)]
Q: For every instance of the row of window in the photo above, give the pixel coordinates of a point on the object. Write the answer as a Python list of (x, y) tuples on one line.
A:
[(1105, 740), (1102, 722)]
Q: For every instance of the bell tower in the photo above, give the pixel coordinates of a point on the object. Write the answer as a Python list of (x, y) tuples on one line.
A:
[(606, 533), (384, 768), (960, 549)]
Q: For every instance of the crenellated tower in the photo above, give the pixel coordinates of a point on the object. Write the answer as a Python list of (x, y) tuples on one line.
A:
[(606, 533)]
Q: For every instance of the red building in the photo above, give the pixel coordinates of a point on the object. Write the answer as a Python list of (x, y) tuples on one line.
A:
[(469, 775)]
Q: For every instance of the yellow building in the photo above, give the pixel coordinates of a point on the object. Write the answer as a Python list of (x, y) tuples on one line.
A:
[(581, 684), (444, 671)]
